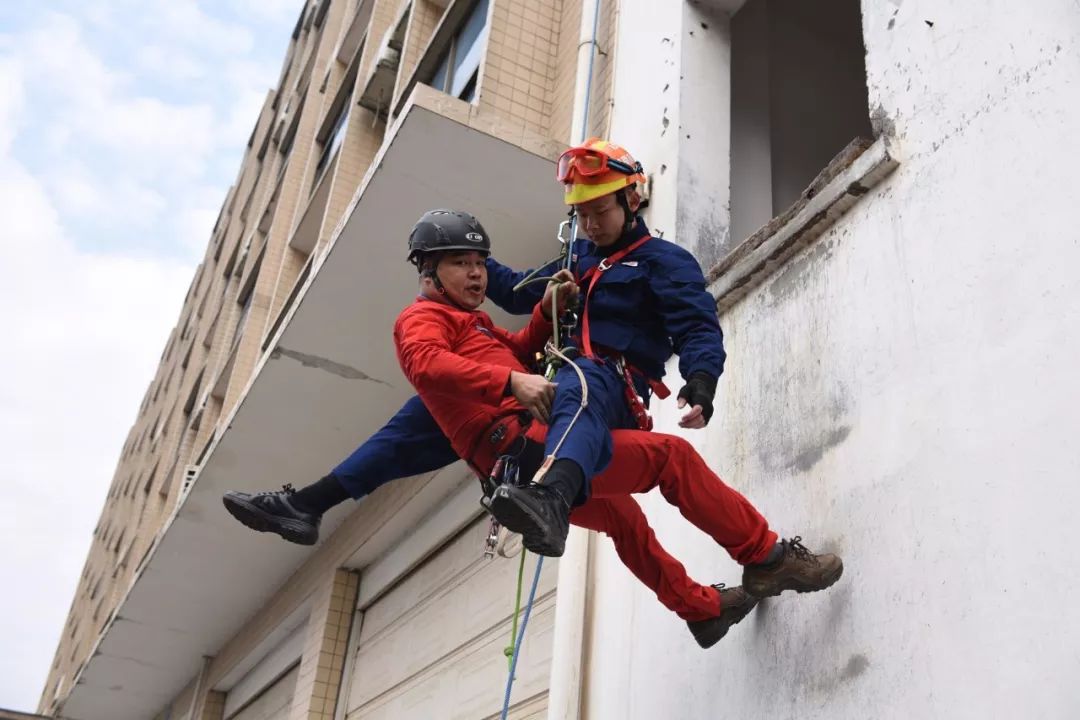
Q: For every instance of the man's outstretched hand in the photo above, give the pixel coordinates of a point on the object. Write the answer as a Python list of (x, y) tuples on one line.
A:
[(698, 393)]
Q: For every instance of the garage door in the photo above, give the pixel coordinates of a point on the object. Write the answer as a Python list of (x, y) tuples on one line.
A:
[(273, 702), (432, 647)]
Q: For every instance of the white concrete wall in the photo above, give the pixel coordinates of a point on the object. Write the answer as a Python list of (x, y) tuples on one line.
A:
[(646, 90), (904, 393)]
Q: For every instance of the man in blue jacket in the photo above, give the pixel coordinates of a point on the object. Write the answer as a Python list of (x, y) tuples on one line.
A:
[(645, 300)]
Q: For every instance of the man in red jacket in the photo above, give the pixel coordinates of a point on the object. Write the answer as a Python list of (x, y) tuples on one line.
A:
[(474, 378)]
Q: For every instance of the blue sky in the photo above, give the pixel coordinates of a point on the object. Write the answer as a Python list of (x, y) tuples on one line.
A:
[(122, 124)]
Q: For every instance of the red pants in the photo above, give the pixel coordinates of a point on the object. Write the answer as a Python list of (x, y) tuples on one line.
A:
[(643, 461)]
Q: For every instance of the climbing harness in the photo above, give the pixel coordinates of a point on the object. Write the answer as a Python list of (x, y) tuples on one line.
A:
[(637, 405)]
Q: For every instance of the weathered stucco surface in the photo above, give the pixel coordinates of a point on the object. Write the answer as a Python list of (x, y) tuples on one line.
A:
[(905, 393)]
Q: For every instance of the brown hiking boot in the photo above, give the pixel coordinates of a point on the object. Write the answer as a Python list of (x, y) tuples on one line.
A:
[(735, 604), (797, 569)]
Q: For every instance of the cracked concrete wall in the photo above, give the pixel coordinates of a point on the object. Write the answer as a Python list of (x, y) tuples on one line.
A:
[(704, 133), (671, 109), (645, 99), (902, 392)]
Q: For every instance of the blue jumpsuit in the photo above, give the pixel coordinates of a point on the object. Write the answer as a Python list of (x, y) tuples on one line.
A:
[(651, 304)]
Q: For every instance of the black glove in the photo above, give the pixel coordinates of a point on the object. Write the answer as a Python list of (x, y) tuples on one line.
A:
[(700, 388)]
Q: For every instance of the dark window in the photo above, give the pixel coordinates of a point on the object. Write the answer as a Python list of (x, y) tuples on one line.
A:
[(459, 65), (798, 97)]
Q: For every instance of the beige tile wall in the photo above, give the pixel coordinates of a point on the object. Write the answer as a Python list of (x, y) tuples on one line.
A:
[(562, 99), (603, 75), (362, 140), (425, 16), (315, 697), (383, 15), (213, 706), (518, 74)]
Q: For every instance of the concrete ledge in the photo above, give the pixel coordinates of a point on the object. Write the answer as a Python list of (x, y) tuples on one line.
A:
[(15, 715), (857, 168)]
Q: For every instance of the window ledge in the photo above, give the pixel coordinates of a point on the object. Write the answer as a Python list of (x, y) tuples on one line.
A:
[(857, 168), (453, 16)]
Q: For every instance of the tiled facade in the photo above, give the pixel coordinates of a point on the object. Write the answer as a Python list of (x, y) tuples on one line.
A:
[(329, 624), (519, 77), (252, 266)]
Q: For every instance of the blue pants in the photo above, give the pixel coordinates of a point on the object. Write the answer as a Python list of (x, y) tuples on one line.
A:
[(589, 441), (411, 443)]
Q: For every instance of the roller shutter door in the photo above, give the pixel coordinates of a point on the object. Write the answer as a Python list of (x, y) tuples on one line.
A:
[(432, 647), (273, 702)]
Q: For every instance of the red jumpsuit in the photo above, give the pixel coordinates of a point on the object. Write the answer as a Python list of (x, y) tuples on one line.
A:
[(460, 362)]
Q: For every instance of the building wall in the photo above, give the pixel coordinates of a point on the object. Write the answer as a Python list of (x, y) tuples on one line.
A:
[(901, 393)]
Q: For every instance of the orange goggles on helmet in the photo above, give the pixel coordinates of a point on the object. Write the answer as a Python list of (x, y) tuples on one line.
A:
[(586, 162)]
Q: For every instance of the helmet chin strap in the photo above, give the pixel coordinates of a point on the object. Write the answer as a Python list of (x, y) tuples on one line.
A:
[(433, 275), (628, 216)]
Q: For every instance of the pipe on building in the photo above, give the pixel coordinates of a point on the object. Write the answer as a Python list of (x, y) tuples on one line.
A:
[(568, 641)]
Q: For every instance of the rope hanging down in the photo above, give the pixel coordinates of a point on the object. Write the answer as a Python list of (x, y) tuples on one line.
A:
[(521, 636), (508, 651), (554, 356)]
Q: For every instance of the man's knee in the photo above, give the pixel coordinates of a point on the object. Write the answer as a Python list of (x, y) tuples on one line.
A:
[(677, 447)]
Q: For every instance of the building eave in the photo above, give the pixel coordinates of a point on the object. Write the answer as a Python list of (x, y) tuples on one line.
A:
[(327, 380)]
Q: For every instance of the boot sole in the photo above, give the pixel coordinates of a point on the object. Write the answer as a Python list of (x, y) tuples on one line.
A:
[(252, 517), (707, 642), (769, 588), (516, 518)]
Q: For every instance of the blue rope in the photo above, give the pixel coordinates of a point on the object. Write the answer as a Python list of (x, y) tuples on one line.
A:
[(521, 637), (569, 257)]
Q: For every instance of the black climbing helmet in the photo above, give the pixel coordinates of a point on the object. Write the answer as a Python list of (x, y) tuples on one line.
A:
[(443, 230)]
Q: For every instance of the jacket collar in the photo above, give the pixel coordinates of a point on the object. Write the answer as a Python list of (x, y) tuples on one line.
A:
[(635, 233)]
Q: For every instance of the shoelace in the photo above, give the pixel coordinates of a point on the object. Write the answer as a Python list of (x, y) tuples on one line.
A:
[(800, 551), (723, 588), (733, 593), (287, 488)]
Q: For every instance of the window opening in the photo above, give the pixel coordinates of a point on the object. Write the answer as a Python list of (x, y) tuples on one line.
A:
[(458, 68), (798, 97)]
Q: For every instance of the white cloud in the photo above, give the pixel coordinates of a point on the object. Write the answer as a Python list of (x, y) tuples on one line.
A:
[(63, 67), (278, 12), (92, 146), (247, 105), (83, 333), (185, 21), (81, 198), (11, 101), (164, 62), (181, 136)]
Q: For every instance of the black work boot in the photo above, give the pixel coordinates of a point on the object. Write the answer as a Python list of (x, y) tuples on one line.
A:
[(735, 604), (797, 569), (536, 511), (540, 511), (274, 512)]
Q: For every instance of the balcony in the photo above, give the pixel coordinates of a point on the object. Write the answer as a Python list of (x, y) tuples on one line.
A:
[(328, 378)]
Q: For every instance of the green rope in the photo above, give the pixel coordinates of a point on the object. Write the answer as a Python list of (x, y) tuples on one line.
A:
[(508, 651)]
